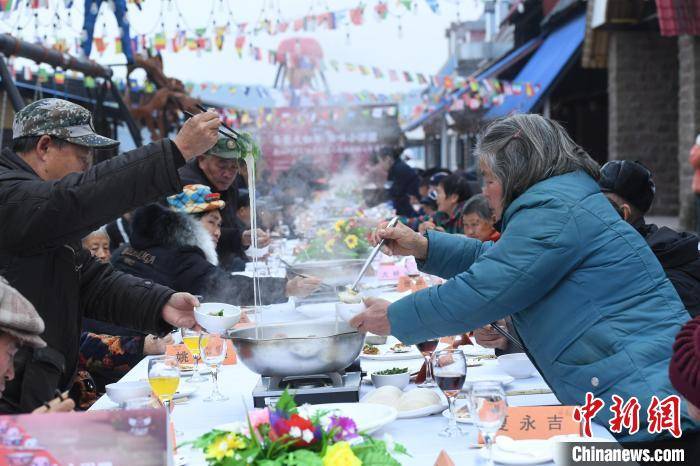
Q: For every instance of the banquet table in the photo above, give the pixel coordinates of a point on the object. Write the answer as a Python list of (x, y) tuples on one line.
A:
[(420, 436)]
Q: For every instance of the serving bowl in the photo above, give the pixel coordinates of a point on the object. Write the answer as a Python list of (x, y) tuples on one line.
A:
[(299, 348), (347, 311), (121, 392), (399, 381), (516, 365), (217, 324)]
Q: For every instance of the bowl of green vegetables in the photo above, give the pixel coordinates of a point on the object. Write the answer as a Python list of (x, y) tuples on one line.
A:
[(396, 376), (217, 317)]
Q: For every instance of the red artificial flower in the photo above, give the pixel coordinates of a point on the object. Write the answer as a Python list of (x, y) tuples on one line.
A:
[(282, 427)]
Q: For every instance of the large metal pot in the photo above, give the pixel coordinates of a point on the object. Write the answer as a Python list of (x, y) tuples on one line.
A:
[(300, 348), (333, 272)]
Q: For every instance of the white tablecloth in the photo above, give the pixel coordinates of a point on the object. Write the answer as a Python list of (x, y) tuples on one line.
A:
[(420, 436), (196, 417)]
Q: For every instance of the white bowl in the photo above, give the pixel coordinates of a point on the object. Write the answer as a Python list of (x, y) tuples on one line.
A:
[(399, 381), (216, 324), (517, 365), (347, 311), (121, 392), (372, 339)]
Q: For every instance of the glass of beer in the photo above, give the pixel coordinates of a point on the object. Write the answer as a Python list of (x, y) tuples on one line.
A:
[(164, 377), (191, 340)]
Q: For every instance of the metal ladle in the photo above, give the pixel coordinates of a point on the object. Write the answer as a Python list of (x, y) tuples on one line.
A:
[(353, 287)]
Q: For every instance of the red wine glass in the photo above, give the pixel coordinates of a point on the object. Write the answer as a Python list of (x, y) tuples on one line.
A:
[(450, 370)]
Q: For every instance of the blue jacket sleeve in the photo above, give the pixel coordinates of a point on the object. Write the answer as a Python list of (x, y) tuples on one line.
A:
[(450, 254), (537, 250)]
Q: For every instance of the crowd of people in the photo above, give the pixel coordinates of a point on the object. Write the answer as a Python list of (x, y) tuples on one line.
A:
[(103, 261)]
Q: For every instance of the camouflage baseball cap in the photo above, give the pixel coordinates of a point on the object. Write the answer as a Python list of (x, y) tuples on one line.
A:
[(61, 119), (244, 146)]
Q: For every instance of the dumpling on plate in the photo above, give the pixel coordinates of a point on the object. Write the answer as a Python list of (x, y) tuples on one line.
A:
[(387, 395), (418, 398)]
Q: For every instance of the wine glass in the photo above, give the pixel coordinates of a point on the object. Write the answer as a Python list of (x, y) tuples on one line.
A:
[(488, 401), (164, 378), (450, 370), (191, 340), (426, 348), (213, 350)]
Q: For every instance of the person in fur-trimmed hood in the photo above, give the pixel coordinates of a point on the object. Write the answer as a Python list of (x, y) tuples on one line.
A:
[(176, 247)]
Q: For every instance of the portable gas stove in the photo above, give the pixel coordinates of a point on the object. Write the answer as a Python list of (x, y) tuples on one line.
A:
[(334, 387)]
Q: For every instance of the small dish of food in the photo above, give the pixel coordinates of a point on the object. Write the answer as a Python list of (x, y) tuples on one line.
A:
[(217, 317), (370, 350), (400, 348), (397, 377)]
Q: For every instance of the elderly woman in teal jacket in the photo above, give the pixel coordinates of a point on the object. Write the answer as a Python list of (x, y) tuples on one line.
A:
[(587, 297)]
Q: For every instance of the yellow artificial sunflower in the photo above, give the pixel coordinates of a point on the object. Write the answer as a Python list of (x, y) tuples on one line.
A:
[(340, 454), (351, 241), (322, 232), (329, 245), (339, 225)]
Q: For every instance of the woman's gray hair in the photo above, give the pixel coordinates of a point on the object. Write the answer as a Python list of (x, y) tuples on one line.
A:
[(522, 150)]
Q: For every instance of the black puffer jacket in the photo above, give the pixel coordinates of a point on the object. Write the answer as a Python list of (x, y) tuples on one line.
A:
[(175, 250), (229, 248), (678, 254), (402, 182), (41, 255)]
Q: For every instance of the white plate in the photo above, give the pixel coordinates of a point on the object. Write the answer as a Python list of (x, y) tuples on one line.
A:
[(422, 412), (461, 420), (504, 379), (386, 355), (314, 311), (368, 417), (203, 370), (543, 453), (476, 350)]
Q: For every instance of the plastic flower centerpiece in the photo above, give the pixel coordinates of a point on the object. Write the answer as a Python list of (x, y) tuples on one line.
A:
[(290, 436), (346, 239)]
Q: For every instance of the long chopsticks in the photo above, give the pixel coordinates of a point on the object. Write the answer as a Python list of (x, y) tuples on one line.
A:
[(202, 108), (508, 336), (223, 133)]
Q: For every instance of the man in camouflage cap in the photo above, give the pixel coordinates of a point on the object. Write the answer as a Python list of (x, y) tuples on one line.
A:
[(50, 197), (61, 119), (218, 168)]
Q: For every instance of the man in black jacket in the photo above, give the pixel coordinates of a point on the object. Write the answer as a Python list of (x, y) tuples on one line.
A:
[(50, 197), (630, 189), (218, 168), (402, 181)]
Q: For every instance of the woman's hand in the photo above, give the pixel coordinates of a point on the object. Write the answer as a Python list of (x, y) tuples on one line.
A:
[(152, 345), (375, 317), (179, 311), (401, 241), (425, 226), (263, 238), (489, 338), (61, 404), (302, 286)]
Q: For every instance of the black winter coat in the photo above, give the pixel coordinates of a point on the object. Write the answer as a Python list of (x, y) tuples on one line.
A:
[(402, 182), (175, 250), (679, 256), (229, 247), (41, 255)]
